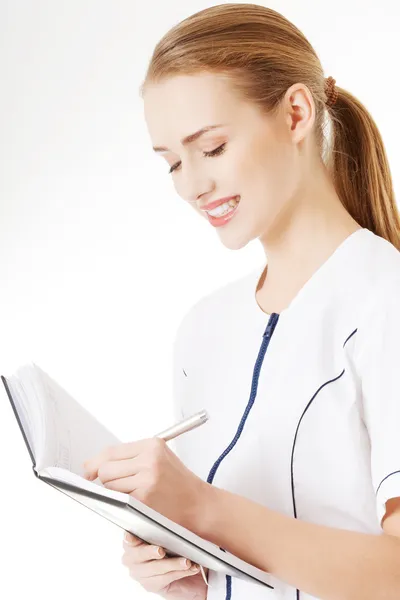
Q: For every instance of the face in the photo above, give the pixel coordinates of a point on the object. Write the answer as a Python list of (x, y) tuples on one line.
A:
[(255, 156)]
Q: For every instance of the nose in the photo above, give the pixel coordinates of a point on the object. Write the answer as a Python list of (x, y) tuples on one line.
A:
[(191, 183)]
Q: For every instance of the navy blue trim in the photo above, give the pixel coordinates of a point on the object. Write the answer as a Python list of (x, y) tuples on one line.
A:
[(295, 437), (297, 429), (384, 479), (355, 331), (272, 321)]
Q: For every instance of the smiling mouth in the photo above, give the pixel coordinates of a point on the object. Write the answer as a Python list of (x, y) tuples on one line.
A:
[(224, 208)]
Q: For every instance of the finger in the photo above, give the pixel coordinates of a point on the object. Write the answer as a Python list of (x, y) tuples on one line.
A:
[(132, 540), (161, 583), (118, 452), (150, 568), (126, 485), (141, 553), (118, 469), (91, 466), (154, 568)]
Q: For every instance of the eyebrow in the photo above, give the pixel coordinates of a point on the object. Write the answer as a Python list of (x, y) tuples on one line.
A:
[(189, 138)]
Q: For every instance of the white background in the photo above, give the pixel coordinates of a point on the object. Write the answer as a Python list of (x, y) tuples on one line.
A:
[(99, 258)]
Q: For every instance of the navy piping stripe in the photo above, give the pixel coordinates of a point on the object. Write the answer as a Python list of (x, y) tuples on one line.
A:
[(297, 429), (272, 321), (355, 331), (384, 479), (295, 438)]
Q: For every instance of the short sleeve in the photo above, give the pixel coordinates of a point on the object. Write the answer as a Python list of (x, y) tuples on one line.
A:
[(378, 360)]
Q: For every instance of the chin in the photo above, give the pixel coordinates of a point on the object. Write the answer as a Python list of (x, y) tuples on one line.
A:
[(234, 242), (237, 235)]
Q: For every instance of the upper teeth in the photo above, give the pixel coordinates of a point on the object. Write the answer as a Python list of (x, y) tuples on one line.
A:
[(222, 208)]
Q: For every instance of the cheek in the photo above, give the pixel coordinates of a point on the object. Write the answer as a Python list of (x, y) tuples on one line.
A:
[(269, 172)]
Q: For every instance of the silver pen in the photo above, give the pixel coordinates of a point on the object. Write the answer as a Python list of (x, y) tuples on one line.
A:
[(186, 425)]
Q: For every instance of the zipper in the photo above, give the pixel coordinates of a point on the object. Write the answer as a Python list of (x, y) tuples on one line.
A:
[(271, 325), (266, 337)]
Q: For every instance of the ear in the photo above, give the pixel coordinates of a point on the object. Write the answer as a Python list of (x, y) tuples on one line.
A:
[(299, 108)]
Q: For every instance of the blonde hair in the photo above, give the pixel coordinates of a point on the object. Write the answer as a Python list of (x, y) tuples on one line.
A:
[(263, 54)]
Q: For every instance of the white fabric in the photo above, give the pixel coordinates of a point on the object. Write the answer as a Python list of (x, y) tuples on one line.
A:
[(322, 436)]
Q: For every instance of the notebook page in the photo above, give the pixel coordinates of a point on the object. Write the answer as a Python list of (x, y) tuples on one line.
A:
[(72, 434)]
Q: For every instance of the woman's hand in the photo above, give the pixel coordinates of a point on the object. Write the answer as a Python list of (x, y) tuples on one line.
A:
[(150, 472), (166, 577)]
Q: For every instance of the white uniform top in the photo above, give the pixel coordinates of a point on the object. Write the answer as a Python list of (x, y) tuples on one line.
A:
[(304, 405)]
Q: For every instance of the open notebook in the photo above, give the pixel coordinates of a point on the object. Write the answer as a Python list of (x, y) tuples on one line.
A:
[(61, 435)]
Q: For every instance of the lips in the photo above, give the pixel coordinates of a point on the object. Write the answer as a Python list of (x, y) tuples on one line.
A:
[(224, 219), (216, 203)]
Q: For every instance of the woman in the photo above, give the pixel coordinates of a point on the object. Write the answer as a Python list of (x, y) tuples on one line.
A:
[(298, 470)]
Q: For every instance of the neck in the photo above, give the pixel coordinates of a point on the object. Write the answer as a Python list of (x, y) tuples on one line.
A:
[(302, 241)]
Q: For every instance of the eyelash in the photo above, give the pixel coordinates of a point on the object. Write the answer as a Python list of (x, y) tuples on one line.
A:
[(215, 152)]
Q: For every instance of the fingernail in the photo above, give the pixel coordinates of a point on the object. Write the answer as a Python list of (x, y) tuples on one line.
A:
[(128, 537), (160, 552), (185, 562), (194, 568)]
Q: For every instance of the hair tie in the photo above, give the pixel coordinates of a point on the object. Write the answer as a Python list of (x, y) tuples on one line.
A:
[(331, 92)]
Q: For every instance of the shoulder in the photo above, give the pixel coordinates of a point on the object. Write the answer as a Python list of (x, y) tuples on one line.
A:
[(376, 350), (377, 279), (379, 261), (384, 257)]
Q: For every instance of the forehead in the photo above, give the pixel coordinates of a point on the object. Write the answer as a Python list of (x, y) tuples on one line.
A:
[(182, 104)]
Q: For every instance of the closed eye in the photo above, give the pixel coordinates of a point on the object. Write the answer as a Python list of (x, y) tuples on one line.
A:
[(215, 152)]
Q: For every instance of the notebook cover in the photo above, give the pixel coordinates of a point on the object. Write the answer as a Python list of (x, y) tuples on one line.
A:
[(183, 546), (5, 383)]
